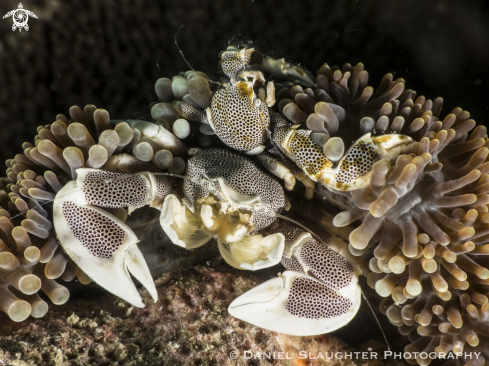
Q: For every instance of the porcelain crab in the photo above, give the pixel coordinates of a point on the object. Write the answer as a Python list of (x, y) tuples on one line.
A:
[(240, 117), (230, 197)]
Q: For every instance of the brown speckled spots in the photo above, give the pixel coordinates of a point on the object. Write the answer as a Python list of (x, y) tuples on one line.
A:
[(236, 121), (326, 264), (312, 300), (238, 173), (114, 189), (100, 235), (358, 161)]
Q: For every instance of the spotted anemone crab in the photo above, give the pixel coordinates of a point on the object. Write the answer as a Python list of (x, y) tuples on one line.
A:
[(402, 188)]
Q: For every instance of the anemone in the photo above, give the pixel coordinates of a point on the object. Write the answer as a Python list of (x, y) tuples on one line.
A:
[(422, 220), (31, 257)]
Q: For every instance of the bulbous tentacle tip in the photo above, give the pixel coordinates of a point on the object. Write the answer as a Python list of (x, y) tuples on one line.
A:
[(340, 220), (358, 240)]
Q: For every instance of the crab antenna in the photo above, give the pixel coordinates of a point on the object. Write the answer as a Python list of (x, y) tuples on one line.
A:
[(183, 56), (179, 50), (378, 323)]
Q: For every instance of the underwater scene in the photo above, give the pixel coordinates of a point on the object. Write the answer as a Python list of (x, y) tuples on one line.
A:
[(244, 182)]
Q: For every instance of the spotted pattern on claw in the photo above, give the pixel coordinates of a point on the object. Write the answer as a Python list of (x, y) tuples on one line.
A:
[(357, 162), (96, 232), (262, 217), (233, 62), (326, 264), (290, 231), (279, 120), (307, 153), (291, 264), (302, 150), (236, 120), (114, 189), (309, 299)]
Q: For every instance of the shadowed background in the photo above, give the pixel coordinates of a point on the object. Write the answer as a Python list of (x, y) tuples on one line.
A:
[(110, 53)]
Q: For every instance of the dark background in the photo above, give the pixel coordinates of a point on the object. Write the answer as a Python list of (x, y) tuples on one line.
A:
[(110, 53)]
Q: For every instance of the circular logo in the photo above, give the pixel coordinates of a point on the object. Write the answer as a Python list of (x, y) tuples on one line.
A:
[(20, 17)]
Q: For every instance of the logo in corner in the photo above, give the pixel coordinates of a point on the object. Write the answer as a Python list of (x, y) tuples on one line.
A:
[(20, 17)]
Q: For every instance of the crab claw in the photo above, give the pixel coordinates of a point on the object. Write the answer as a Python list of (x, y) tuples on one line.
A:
[(297, 304), (355, 167), (233, 60), (98, 242), (113, 188)]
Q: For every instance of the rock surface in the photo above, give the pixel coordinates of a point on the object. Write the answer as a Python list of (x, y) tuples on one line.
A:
[(189, 325)]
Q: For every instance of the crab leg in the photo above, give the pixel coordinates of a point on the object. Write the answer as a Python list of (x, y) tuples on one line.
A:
[(353, 169)]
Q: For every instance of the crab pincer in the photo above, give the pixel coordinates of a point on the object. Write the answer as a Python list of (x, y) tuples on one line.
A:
[(317, 294), (99, 243)]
